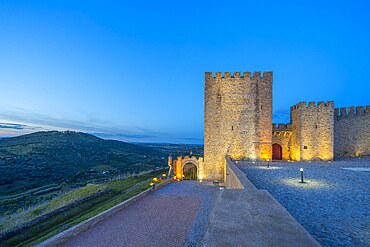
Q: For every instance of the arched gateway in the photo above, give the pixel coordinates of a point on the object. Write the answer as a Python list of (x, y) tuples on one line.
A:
[(190, 171), (188, 168)]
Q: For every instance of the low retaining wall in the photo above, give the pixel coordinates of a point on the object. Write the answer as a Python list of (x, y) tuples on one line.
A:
[(83, 226), (235, 178)]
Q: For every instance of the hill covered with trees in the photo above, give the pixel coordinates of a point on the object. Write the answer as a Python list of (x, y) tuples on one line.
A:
[(43, 159)]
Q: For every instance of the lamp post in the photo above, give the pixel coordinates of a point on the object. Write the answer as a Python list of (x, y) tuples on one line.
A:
[(301, 175)]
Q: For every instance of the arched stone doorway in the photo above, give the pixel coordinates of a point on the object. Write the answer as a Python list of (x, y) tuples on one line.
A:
[(277, 152), (180, 165), (190, 171)]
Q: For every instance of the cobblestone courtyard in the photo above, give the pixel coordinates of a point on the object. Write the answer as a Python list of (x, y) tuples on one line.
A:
[(333, 204)]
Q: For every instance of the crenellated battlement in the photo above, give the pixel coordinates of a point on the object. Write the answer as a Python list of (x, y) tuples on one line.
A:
[(304, 105), (220, 75), (351, 111), (281, 127)]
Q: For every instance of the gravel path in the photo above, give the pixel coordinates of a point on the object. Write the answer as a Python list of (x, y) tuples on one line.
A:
[(167, 217), (334, 203)]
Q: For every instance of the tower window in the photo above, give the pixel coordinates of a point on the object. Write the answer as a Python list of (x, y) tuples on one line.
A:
[(232, 128)]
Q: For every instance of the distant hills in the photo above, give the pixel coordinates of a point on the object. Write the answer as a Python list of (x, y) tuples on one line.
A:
[(53, 157)]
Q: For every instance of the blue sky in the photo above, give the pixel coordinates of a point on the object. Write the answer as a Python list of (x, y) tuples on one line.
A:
[(134, 70)]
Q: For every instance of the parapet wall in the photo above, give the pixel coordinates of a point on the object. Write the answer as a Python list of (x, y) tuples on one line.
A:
[(305, 105), (312, 131), (281, 127), (352, 131), (220, 75), (351, 111)]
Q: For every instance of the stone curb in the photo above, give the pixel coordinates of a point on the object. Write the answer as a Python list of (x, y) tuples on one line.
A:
[(85, 225)]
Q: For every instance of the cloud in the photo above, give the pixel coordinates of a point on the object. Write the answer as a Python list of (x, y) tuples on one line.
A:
[(23, 120), (13, 126)]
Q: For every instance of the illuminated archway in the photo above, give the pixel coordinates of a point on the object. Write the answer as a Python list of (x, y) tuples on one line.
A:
[(181, 162), (277, 152), (190, 171)]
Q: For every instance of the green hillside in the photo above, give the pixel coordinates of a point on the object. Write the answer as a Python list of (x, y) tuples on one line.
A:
[(43, 162)]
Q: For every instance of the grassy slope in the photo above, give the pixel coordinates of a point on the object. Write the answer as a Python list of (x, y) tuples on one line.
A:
[(123, 189)]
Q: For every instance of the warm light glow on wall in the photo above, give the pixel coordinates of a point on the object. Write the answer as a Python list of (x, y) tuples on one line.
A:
[(359, 153), (295, 155), (236, 155), (253, 157), (265, 157)]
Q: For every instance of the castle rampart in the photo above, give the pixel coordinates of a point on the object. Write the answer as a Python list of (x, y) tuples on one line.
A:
[(352, 131), (237, 119), (281, 127), (238, 75)]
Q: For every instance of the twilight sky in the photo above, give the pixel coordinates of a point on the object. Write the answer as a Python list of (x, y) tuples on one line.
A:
[(134, 70)]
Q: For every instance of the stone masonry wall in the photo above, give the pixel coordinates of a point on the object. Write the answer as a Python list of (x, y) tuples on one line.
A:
[(312, 131), (352, 131), (295, 121), (281, 134), (237, 119)]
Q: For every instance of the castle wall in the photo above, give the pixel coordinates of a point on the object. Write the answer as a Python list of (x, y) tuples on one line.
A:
[(352, 131), (237, 119), (312, 131), (282, 135)]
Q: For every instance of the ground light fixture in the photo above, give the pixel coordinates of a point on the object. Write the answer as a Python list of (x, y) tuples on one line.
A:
[(268, 163), (302, 181)]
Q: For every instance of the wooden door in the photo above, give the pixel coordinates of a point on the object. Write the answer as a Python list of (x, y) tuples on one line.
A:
[(277, 153)]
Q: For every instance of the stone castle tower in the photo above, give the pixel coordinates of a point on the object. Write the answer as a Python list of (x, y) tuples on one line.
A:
[(312, 131), (237, 119)]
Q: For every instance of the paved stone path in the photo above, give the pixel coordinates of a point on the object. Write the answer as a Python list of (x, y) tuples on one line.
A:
[(164, 218)]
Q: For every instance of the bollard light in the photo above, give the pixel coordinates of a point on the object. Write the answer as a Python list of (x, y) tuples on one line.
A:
[(268, 163), (302, 181)]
